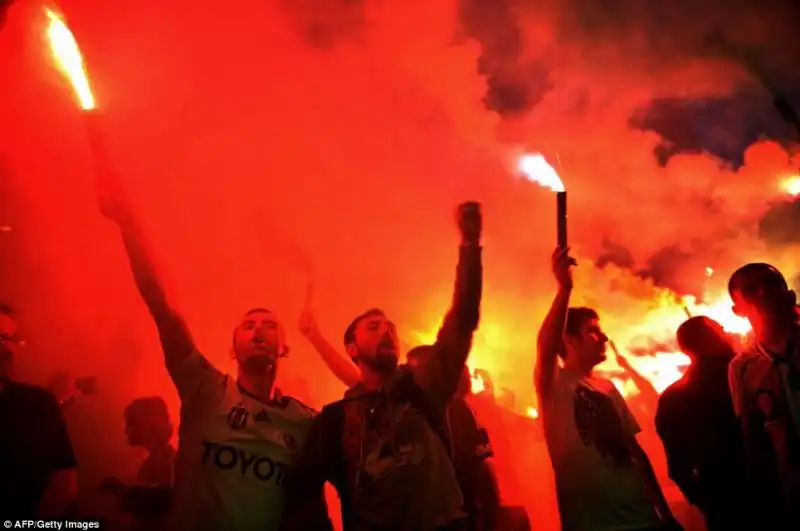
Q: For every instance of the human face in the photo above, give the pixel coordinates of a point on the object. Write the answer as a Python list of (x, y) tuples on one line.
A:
[(258, 342), (135, 432), (9, 344), (590, 344), (376, 343), (764, 300)]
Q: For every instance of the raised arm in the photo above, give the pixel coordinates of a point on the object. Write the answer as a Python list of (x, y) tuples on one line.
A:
[(647, 389), (438, 374), (185, 366), (552, 330), (344, 369)]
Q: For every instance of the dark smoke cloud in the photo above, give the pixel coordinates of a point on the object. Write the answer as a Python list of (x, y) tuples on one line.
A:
[(668, 33), (722, 127), (325, 23), (514, 85), (780, 225)]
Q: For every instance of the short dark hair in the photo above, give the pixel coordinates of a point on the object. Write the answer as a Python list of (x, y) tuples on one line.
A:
[(764, 272), (576, 318), (350, 331), (152, 410), (701, 336)]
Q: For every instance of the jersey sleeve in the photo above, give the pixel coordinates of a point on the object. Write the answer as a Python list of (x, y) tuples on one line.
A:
[(197, 380)]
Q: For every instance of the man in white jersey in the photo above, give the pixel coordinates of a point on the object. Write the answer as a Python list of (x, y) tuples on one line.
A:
[(604, 480), (238, 438)]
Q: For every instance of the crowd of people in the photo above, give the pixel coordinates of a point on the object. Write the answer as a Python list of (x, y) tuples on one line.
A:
[(403, 447)]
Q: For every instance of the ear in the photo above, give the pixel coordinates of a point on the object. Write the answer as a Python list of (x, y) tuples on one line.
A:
[(351, 350), (568, 342)]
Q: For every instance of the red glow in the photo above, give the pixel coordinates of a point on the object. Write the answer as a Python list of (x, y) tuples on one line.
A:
[(260, 163)]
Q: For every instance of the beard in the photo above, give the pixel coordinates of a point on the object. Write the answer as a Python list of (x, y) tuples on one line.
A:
[(383, 363)]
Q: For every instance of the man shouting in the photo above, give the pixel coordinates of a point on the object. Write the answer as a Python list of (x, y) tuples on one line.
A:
[(384, 447)]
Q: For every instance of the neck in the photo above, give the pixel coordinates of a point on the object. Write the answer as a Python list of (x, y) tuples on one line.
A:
[(373, 380), (156, 446), (258, 385), (573, 366), (777, 334)]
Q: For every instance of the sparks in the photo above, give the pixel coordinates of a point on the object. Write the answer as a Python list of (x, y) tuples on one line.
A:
[(68, 56)]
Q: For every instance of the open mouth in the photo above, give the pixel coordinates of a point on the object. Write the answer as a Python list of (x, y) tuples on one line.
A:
[(387, 350)]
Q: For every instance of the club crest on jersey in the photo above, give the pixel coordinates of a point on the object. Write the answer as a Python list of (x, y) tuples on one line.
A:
[(237, 417)]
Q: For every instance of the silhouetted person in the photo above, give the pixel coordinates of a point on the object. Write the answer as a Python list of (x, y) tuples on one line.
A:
[(604, 479), (765, 386), (701, 435), (147, 426), (4, 6), (471, 452), (385, 447), (37, 466)]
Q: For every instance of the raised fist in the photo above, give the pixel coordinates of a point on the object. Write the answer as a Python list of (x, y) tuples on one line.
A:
[(470, 221), (307, 324), (562, 264)]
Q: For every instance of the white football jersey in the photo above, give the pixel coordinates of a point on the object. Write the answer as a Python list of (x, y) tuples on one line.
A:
[(235, 453)]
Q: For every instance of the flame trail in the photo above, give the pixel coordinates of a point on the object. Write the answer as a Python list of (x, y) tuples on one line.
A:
[(67, 54)]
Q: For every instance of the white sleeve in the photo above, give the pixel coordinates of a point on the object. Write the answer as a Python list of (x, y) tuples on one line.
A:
[(197, 380)]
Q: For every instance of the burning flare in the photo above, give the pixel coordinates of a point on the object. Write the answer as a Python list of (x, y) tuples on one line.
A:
[(68, 56), (791, 185), (536, 169)]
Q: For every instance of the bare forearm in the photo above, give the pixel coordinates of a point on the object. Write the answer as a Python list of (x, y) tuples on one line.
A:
[(643, 384), (549, 340), (174, 335), (344, 369)]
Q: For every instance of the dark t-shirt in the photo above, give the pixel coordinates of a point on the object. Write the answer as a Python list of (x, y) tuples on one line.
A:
[(34, 443), (703, 442)]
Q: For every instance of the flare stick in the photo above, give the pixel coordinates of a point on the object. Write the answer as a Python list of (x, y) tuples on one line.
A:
[(561, 218)]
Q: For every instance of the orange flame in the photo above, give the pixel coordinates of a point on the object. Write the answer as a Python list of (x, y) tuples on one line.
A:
[(661, 367), (791, 185), (68, 56)]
